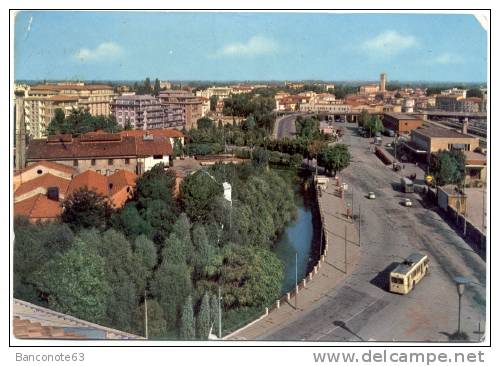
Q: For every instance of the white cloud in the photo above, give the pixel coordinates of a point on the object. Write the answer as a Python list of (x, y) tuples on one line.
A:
[(104, 51), (256, 45), (389, 43), (447, 58)]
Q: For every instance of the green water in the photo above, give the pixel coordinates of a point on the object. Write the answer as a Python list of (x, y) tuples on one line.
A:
[(296, 239)]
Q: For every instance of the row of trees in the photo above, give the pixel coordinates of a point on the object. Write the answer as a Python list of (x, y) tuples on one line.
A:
[(80, 121), (251, 104)]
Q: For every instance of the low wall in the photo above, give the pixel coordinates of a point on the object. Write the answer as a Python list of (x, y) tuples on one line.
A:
[(290, 296), (473, 235)]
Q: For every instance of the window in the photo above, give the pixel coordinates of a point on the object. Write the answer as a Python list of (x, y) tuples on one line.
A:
[(398, 281), (127, 161), (110, 161), (75, 162), (157, 157), (39, 171), (92, 162)]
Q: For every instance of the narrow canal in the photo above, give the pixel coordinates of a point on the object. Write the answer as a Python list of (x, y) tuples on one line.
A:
[(297, 240)]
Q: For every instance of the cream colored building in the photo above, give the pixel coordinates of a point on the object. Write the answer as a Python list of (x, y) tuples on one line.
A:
[(95, 98)]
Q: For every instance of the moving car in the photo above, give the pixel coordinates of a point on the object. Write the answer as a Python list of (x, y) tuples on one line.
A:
[(407, 202), (371, 195)]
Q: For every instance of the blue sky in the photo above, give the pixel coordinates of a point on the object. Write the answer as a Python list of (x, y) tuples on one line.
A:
[(248, 46)]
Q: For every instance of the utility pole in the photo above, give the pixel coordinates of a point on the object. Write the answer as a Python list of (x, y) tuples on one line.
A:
[(359, 226), (345, 248), (146, 315), (220, 317), (296, 281)]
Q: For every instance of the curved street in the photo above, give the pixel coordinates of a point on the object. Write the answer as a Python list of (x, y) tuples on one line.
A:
[(361, 309)]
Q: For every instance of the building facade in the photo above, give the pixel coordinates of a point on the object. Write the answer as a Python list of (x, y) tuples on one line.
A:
[(104, 153), (190, 105)]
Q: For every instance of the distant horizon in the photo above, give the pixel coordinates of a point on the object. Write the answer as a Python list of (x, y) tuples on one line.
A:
[(220, 46), (243, 81)]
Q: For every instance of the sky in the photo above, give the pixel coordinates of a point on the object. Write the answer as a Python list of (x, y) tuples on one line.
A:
[(248, 46)]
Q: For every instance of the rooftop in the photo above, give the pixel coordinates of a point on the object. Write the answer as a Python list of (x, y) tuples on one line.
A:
[(400, 116), (38, 207), (97, 145), (439, 132), (33, 321), (44, 181)]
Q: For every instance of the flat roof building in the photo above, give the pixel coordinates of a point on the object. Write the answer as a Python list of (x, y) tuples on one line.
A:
[(401, 123)]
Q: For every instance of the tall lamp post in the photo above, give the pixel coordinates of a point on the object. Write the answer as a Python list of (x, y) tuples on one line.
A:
[(460, 282)]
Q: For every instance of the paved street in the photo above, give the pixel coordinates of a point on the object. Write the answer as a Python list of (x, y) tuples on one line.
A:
[(285, 126), (361, 308)]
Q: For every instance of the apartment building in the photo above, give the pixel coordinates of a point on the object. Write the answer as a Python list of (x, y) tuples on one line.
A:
[(138, 111), (191, 105)]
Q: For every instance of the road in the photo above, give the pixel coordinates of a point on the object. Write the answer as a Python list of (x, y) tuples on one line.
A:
[(361, 309), (285, 126)]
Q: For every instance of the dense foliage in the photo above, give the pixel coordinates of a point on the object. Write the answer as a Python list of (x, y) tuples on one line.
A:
[(80, 121), (448, 167), (169, 253)]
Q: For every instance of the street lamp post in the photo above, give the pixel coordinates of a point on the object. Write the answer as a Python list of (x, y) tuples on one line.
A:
[(296, 280), (460, 282)]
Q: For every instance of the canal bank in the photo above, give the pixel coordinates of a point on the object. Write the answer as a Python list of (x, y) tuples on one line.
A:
[(339, 260), (298, 244)]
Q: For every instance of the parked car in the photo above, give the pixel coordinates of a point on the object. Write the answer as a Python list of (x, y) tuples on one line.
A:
[(407, 202), (371, 195)]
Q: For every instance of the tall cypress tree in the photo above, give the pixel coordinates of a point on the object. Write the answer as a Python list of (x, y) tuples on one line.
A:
[(187, 331), (203, 319)]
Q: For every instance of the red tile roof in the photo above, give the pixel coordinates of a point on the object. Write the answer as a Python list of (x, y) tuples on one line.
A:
[(121, 179), (38, 207), (91, 180), (99, 145), (44, 181), (49, 164)]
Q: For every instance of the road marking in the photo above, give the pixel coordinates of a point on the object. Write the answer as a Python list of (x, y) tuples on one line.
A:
[(352, 317)]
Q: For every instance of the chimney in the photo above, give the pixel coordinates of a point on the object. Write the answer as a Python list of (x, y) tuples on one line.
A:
[(20, 132), (53, 193)]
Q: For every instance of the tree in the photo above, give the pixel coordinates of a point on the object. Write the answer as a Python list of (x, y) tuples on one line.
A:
[(214, 314), (85, 208), (364, 119), (203, 251), (170, 286), (120, 269), (375, 125), (157, 87), (34, 245), (56, 125), (198, 196), (335, 159), (251, 277), (157, 325), (203, 318), (205, 123), (178, 148), (249, 123), (213, 102), (145, 259), (130, 222), (187, 328), (448, 167), (474, 92), (156, 184), (74, 283)]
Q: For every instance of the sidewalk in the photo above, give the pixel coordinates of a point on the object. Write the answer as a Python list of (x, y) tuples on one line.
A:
[(331, 272)]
